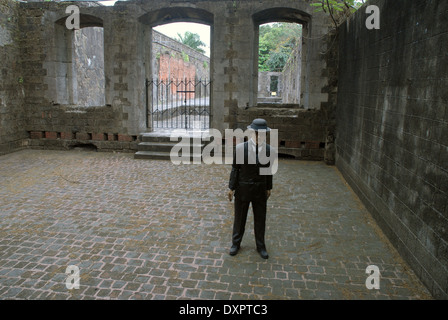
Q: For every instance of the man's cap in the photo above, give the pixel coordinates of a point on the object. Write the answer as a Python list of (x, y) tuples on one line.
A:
[(259, 124)]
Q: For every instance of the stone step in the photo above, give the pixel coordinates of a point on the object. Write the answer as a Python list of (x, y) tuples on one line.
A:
[(154, 155), (154, 138), (166, 146), (165, 136), (158, 145)]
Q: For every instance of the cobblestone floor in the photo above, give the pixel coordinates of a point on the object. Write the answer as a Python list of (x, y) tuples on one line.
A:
[(140, 229)]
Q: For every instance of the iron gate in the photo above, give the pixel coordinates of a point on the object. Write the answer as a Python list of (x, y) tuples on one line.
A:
[(178, 103)]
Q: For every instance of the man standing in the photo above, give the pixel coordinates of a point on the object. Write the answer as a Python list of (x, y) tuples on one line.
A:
[(249, 186)]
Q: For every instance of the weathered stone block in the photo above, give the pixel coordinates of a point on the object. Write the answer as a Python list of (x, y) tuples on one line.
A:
[(83, 136), (121, 86)]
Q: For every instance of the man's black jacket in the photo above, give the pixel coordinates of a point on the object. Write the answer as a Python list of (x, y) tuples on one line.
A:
[(248, 172)]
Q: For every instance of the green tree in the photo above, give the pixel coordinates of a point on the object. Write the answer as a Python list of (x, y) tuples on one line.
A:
[(193, 40), (276, 43), (339, 10)]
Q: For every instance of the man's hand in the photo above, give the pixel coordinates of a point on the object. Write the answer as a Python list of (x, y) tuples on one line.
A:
[(268, 194), (230, 195)]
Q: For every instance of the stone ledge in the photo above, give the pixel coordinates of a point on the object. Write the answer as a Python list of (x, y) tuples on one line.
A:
[(63, 144)]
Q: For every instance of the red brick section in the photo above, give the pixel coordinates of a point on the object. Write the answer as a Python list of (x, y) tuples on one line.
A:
[(312, 145), (174, 68), (36, 135), (124, 137), (178, 70), (98, 136), (81, 136), (292, 144), (51, 135)]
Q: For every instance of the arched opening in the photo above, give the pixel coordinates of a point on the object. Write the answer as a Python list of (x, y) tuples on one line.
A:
[(76, 70), (279, 63), (89, 66), (178, 81), (176, 14), (280, 76)]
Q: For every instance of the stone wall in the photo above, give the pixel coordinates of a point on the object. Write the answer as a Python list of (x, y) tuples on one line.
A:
[(89, 66), (269, 83), (301, 132), (65, 103), (292, 77), (52, 90), (12, 86), (392, 128)]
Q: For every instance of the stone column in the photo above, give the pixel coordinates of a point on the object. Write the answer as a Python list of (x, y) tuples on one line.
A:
[(233, 39), (125, 71)]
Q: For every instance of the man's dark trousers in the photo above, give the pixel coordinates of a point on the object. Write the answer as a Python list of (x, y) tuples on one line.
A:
[(244, 196)]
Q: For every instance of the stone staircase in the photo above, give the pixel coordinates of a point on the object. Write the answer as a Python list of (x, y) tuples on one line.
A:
[(157, 145)]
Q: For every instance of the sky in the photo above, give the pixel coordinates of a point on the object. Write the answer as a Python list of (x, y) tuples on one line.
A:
[(172, 29)]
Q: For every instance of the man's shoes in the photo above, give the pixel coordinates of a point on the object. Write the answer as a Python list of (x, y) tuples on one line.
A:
[(263, 253), (234, 250)]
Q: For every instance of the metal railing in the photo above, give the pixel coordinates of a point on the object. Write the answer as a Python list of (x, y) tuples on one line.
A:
[(178, 103)]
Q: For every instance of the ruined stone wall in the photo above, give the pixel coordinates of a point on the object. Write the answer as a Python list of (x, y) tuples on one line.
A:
[(65, 103), (12, 86), (266, 85), (292, 77), (50, 82), (392, 128), (89, 66), (301, 133)]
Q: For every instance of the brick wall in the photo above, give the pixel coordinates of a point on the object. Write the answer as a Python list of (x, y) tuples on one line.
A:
[(175, 68), (392, 128), (174, 60)]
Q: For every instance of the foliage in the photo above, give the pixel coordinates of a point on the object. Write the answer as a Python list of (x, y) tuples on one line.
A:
[(193, 40), (185, 57), (339, 10), (276, 43)]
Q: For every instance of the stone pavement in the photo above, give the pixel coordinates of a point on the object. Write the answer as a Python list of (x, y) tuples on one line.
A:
[(140, 229)]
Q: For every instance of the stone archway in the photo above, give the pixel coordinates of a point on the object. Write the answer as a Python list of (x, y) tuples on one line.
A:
[(170, 15), (288, 15), (67, 66)]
